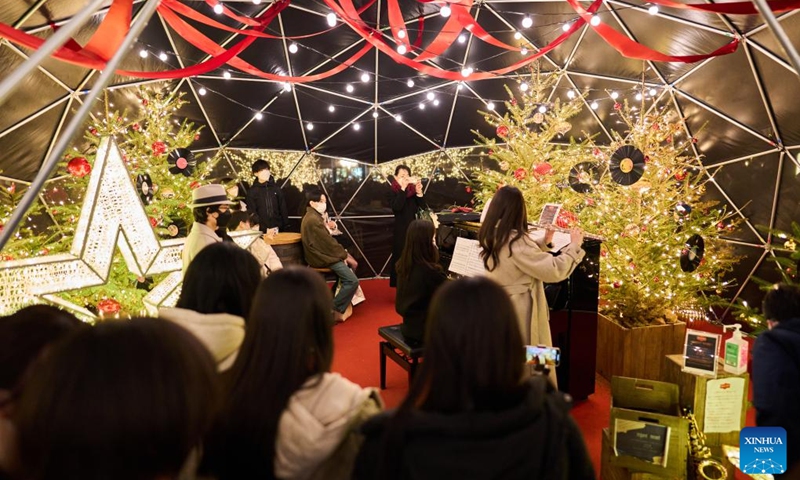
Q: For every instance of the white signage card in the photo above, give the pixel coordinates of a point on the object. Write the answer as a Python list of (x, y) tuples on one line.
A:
[(467, 259), (724, 399)]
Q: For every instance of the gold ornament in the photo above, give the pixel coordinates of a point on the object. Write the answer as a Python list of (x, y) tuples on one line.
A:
[(632, 230), (790, 245), (564, 127), (167, 193), (538, 117)]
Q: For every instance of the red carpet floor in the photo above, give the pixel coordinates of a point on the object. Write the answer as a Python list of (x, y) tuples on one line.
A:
[(357, 358)]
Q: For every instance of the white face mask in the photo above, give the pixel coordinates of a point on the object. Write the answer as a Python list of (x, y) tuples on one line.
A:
[(320, 207)]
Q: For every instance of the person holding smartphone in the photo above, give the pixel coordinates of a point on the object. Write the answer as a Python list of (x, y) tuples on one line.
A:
[(406, 200), (522, 265)]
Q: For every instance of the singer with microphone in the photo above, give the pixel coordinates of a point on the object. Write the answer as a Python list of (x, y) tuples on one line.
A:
[(522, 265)]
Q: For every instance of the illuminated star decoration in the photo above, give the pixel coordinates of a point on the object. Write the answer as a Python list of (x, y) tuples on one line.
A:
[(112, 216)]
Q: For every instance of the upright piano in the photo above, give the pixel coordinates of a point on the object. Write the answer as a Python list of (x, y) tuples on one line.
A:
[(573, 306)]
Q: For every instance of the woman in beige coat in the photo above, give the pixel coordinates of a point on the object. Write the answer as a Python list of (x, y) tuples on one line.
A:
[(522, 265)]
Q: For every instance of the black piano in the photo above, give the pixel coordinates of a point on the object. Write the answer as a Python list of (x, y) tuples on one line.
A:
[(573, 306)]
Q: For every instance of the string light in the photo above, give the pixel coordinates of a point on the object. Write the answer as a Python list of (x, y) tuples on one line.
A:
[(293, 48), (542, 109), (566, 27), (527, 22), (309, 126), (595, 21), (259, 115), (218, 8), (490, 106), (462, 38), (375, 114), (614, 95), (398, 117), (653, 92), (422, 106), (653, 9), (523, 51), (594, 105), (365, 77), (401, 34), (445, 11), (523, 86), (226, 74), (430, 96), (356, 126), (638, 96), (571, 94), (349, 88), (466, 71), (201, 91), (331, 18), (143, 53), (517, 35), (436, 102), (256, 2), (331, 108), (287, 87), (401, 49), (162, 56), (410, 83)]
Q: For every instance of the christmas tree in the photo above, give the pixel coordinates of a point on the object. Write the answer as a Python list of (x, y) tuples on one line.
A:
[(642, 193), (155, 150)]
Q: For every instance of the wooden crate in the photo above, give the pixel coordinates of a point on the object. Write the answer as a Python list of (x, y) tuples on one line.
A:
[(613, 472), (693, 396), (636, 352)]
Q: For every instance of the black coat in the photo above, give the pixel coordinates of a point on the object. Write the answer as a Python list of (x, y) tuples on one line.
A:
[(536, 439), (414, 296), (266, 200), (405, 210), (776, 384)]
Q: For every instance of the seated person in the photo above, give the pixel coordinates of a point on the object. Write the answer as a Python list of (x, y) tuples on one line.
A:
[(418, 276), (263, 252), (211, 210), (469, 413), (321, 250)]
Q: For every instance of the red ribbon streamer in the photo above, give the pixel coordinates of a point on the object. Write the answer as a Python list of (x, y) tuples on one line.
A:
[(732, 8)]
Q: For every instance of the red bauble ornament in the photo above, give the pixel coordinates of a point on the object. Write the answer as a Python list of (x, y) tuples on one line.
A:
[(617, 106), (566, 219), (680, 175), (7, 258), (502, 131), (694, 140), (720, 226), (656, 126), (108, 306), (93, 131), (490, 153), (617, 284), (603, 253), (159, 148), (12, 189), (514, 101), (145, 102), (44, 251), (656, 279), (468, 189), (520, 174), (153, 222), (194, 184), (136, 127), (542, 169), (197, 137), (646, 158), (79, 167)]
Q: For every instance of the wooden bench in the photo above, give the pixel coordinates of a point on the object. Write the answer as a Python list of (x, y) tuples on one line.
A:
[(406, 353)]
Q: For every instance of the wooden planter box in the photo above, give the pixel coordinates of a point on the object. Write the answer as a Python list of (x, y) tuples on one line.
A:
[(636, 352)]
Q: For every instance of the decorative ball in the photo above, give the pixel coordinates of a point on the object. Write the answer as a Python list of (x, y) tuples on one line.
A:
[(153, 222), (538, 117), (520, 174), (656, 279), (566, 219), (617, 106), (12, 189), (656, 126), (617, 284), (159, 148), (504, 165), (680, 175), (694, 139), (563, 127), (468, 189), (542, 169), (502, 131), (93, 131), (79, 167), (604, 253), (145, 102), (136, 127), (108, 306), (720, 226), (790, 245), (194, 185), (647, 159), (167, 193), (632, 230), (514, 101), (197, 137), (683, 208)]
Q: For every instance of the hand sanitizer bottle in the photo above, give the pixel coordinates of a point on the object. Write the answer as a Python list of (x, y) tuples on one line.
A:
[(736, 351)]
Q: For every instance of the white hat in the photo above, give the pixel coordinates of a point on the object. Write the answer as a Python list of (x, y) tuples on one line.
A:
[(207, 195)]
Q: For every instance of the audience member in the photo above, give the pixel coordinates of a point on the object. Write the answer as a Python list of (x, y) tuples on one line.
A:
[(406, 200), (266, 200), (24, 336), (263, 252), (469, 414), (122, 400), (521, 265), (418, 276), (321, 250), (217, 293), (286, 415), (211, 210), (776, 370)]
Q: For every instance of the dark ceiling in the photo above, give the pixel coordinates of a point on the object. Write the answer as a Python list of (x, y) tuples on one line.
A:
[(742, 108)]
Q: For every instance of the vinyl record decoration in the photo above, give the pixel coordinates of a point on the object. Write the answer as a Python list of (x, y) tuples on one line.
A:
[(181, 160), (627, 165), (144, 184), (176, 228), (583, 175), (692, 253)]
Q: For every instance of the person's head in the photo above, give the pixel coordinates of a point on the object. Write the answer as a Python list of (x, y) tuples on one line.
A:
[(210, 206), (317, 200), (123, 400), (233, 188), (402, 173), (240, 221), (222, 278), (419, 249), (285, 345), (261, 170), (506, 217), (781, 303)]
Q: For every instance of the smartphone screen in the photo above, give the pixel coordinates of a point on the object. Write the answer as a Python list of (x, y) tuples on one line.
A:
[(541, 355)]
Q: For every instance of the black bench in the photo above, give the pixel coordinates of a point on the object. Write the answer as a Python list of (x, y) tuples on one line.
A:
[(406, 353)]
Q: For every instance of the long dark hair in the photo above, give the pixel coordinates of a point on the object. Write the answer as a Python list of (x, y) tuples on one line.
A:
[(474, 360), (506, 215), (125, 400), (418, 249), (222, 278), (288, 340)]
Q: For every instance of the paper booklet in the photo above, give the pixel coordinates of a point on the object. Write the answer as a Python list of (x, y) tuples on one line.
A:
[(467, 259)]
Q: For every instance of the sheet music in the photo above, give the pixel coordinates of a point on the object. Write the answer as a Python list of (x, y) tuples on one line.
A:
[(467, 258)]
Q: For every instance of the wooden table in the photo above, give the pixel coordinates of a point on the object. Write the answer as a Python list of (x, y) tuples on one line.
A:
[(288, 246)]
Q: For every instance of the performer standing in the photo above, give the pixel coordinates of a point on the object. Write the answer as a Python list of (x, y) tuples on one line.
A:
[(521, 265), (266, 200), (406, 200)]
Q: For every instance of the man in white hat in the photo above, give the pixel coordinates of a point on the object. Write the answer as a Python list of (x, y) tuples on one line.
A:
[(211, 209)]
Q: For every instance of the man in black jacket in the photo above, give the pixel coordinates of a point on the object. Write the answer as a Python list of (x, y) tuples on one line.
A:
[(265, 199), (776, 370)]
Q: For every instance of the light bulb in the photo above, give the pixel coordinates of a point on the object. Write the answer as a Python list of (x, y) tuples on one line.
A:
[(595, 21), (614, 95), (410, 83), (566, 27), (287, 87), (422, 106), (201, 91), (523, 51), (259, 115), (490, 106), (356, 126), (430, 95), (571, 94), (398, 117), (331, 18), (517, 35), (401, 49), (436, 102), (594, 106), (401, 33), (375, 114), (162, 56), (349, 88), (653, 92), (331, 108), (523, 86), (293, 48), (462, 38), (638, 96), (653, 9), (365, 77), (466, 71), (143, 53), (226, 74), (527, 22), (309, 126), (542, 109), (461, 85), (256, 2), (445, 11), (218, 8)]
